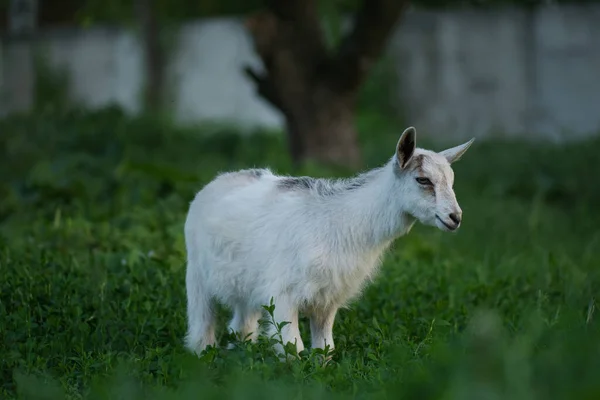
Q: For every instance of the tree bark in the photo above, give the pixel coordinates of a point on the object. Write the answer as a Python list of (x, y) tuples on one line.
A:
[(317, 89), (154, 61), (323, 128)]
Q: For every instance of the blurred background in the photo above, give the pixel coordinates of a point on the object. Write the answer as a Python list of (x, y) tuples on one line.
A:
[(113, 113), (453, 69)]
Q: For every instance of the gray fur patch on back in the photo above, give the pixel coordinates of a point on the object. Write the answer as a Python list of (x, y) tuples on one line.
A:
[(256, 172), (324, 187), (253, 172)]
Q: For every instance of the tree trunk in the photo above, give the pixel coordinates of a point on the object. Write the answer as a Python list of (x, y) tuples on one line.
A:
[(323, 129), (154, 62), (315, 88)]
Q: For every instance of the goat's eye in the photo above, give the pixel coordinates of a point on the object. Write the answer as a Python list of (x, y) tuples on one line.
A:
[(424, 181)]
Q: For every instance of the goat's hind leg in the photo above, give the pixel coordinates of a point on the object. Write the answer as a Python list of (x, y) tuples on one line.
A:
[(201, 318), (244, 324)]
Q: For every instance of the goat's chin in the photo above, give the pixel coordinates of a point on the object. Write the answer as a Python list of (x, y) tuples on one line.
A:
[(433, 222), (442, 227)]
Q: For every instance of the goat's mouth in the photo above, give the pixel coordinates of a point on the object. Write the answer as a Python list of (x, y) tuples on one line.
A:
[(449, 227)]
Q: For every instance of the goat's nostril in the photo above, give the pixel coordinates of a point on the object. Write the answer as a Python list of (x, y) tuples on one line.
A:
[(455, 218)]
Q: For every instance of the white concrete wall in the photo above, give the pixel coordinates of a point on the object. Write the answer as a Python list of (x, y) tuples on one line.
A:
[(206, 77), (510, 73), (461, 74)]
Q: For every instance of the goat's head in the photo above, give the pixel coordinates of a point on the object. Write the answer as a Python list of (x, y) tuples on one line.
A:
[(427, 179)]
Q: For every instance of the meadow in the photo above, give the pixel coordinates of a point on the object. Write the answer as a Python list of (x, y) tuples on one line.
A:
[(92, 266)]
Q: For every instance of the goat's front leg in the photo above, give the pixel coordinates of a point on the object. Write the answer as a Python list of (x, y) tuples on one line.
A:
[(286, 311), (321, 327)]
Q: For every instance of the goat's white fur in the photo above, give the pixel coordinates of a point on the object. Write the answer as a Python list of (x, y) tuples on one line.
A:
[(310, 244)]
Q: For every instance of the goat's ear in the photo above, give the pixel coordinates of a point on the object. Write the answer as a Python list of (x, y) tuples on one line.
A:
[(406, 146), (455, 153)]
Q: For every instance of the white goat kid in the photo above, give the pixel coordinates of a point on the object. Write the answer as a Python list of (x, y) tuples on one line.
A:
[(310, 244)]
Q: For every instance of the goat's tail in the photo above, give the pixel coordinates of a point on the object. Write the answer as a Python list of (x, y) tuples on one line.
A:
[(201, 318)]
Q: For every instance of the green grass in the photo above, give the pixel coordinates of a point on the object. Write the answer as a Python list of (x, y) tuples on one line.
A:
[(92, 298)]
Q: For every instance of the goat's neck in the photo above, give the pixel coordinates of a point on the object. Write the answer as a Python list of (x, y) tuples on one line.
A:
[(374, 214)]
